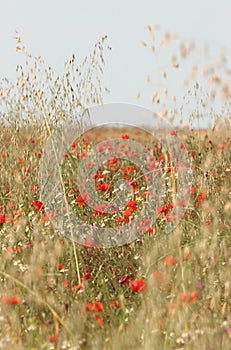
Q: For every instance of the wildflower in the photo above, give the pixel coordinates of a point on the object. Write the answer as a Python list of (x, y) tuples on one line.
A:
[(99, 319), (188, 297), (90, 307), (66, 284), (128, 215), (160, 210), (112, 161), (38, 205), (73, 145), (102, 187), (94, 306), (81, 199), (2, 218), (124, 279), (10, 300), (53, 338), (76, 287), (61, 267), (170, 261), (99, 209), (113, 303), (200, 198), (132, 205), (87, 276), (143, 226), (138, 285), (99, 306), (181, 146), (124, 136)]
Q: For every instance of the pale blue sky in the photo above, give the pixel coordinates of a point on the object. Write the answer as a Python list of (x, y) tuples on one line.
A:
[(56, 29)]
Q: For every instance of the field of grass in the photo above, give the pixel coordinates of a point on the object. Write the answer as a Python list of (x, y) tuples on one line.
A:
[(162, 290)]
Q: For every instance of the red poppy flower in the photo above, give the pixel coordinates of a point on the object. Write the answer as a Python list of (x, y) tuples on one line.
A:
[(61, 267), (138, 285), (99, 209), (77, 287), (102, 187), (188, 297), (2, 218), (65, 284), (132, 205), (53, 338), (38, 205), (160, 210), (99, 306), (87, 276), (94, 306), (82, 199), (124, 136), (10, 300), (181, 145), (113, 303), (128, 215), (200, 198), (124, 279), (170, 261), (99, 319)]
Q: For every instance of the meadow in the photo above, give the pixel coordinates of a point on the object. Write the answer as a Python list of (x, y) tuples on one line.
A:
[(163, 290)]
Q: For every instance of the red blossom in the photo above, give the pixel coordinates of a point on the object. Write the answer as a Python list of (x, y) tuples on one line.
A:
[(61, 267), (82, 199), (113, 303), (170, 261), (99, 306), (66, 284), (161, 210), (87, 276), (188, 297), (102, 187), (112, 161), (200, 198), (124, 136), (128, 215), (2, 218), (99, 209), (181, 145), (53, 338), (38, 205), (138, 285), (10, 300), (94, 306), (132, 205), (76, 287), (124, 279), (99, 319)]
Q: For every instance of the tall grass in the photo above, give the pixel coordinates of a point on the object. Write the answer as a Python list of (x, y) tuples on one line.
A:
[(56, 294)]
